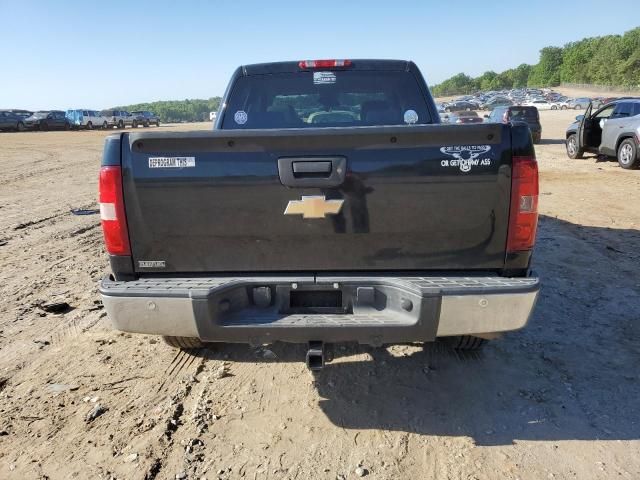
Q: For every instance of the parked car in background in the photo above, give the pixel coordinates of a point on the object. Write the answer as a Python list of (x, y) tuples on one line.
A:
[(462, 118), (21, 113), (497, 102), (542, 105), (11, 121), (563, 103), (526, 113), (88, 119), (579, 103), (460, 106), (119, 118), (612, 130), (47, 120), (146, 118)]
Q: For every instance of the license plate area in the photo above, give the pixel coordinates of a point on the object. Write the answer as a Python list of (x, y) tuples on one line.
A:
[(312, 299), (315, 299)]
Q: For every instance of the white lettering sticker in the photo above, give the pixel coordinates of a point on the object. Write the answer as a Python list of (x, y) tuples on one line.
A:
[(172, 162), (151, 264), (324, 78), (241, 117), (465, 157)]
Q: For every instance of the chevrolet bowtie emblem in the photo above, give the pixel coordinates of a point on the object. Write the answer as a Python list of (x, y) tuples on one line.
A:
[(313, 207)]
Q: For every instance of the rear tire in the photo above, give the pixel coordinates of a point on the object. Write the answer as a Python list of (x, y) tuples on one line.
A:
[(89, 126), (184, 343), (628, 154), (20, 127), (466, 342), (572, 147), (120, 124), (105, 125)]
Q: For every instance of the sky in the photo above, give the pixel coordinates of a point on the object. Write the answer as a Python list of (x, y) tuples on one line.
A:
[(70, 54)]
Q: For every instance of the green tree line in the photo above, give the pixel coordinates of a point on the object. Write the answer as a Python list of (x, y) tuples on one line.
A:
[(612, 60), (189, 110)]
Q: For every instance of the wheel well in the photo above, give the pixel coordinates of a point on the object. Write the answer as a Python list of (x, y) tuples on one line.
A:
[(571, 133), (622, 138)]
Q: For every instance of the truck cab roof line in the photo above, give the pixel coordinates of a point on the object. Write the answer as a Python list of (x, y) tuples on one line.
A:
[(356, 64)]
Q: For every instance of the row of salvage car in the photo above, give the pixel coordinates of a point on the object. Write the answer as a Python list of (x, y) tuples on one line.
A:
[(75, 119)]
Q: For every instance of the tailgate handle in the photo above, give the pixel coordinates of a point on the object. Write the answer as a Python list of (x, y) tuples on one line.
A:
[(302, 168), (312, 171)]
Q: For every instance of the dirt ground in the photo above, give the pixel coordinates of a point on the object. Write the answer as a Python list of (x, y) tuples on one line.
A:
[(558, 399)]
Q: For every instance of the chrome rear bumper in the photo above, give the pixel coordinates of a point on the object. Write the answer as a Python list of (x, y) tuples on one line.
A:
[(368, 309)]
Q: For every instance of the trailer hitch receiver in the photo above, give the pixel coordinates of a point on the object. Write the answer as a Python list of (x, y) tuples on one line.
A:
[(315, 356)]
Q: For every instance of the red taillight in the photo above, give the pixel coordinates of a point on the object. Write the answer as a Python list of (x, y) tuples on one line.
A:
[(523, 217), (112, 215), (307, 64)]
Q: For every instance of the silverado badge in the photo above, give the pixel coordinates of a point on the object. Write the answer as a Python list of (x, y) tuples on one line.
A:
[(313, 207)]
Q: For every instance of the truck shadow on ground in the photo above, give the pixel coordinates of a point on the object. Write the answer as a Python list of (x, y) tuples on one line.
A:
[(570, 375), (552, 141), (596, 158)]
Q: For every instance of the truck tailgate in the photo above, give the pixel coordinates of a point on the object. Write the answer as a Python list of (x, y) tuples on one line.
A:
[(430, 197)]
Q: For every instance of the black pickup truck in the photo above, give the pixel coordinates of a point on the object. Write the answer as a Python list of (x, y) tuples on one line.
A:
[(328, 204)]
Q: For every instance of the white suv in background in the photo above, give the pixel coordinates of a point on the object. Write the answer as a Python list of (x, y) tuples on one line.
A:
[(88, 119), (542, 104), (120, 118)]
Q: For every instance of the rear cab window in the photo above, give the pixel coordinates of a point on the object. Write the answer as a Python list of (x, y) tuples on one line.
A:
[(335, 98), (524, 114)]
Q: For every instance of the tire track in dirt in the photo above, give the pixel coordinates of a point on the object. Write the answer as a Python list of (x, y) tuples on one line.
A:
[(31, 223), (188, 366)]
